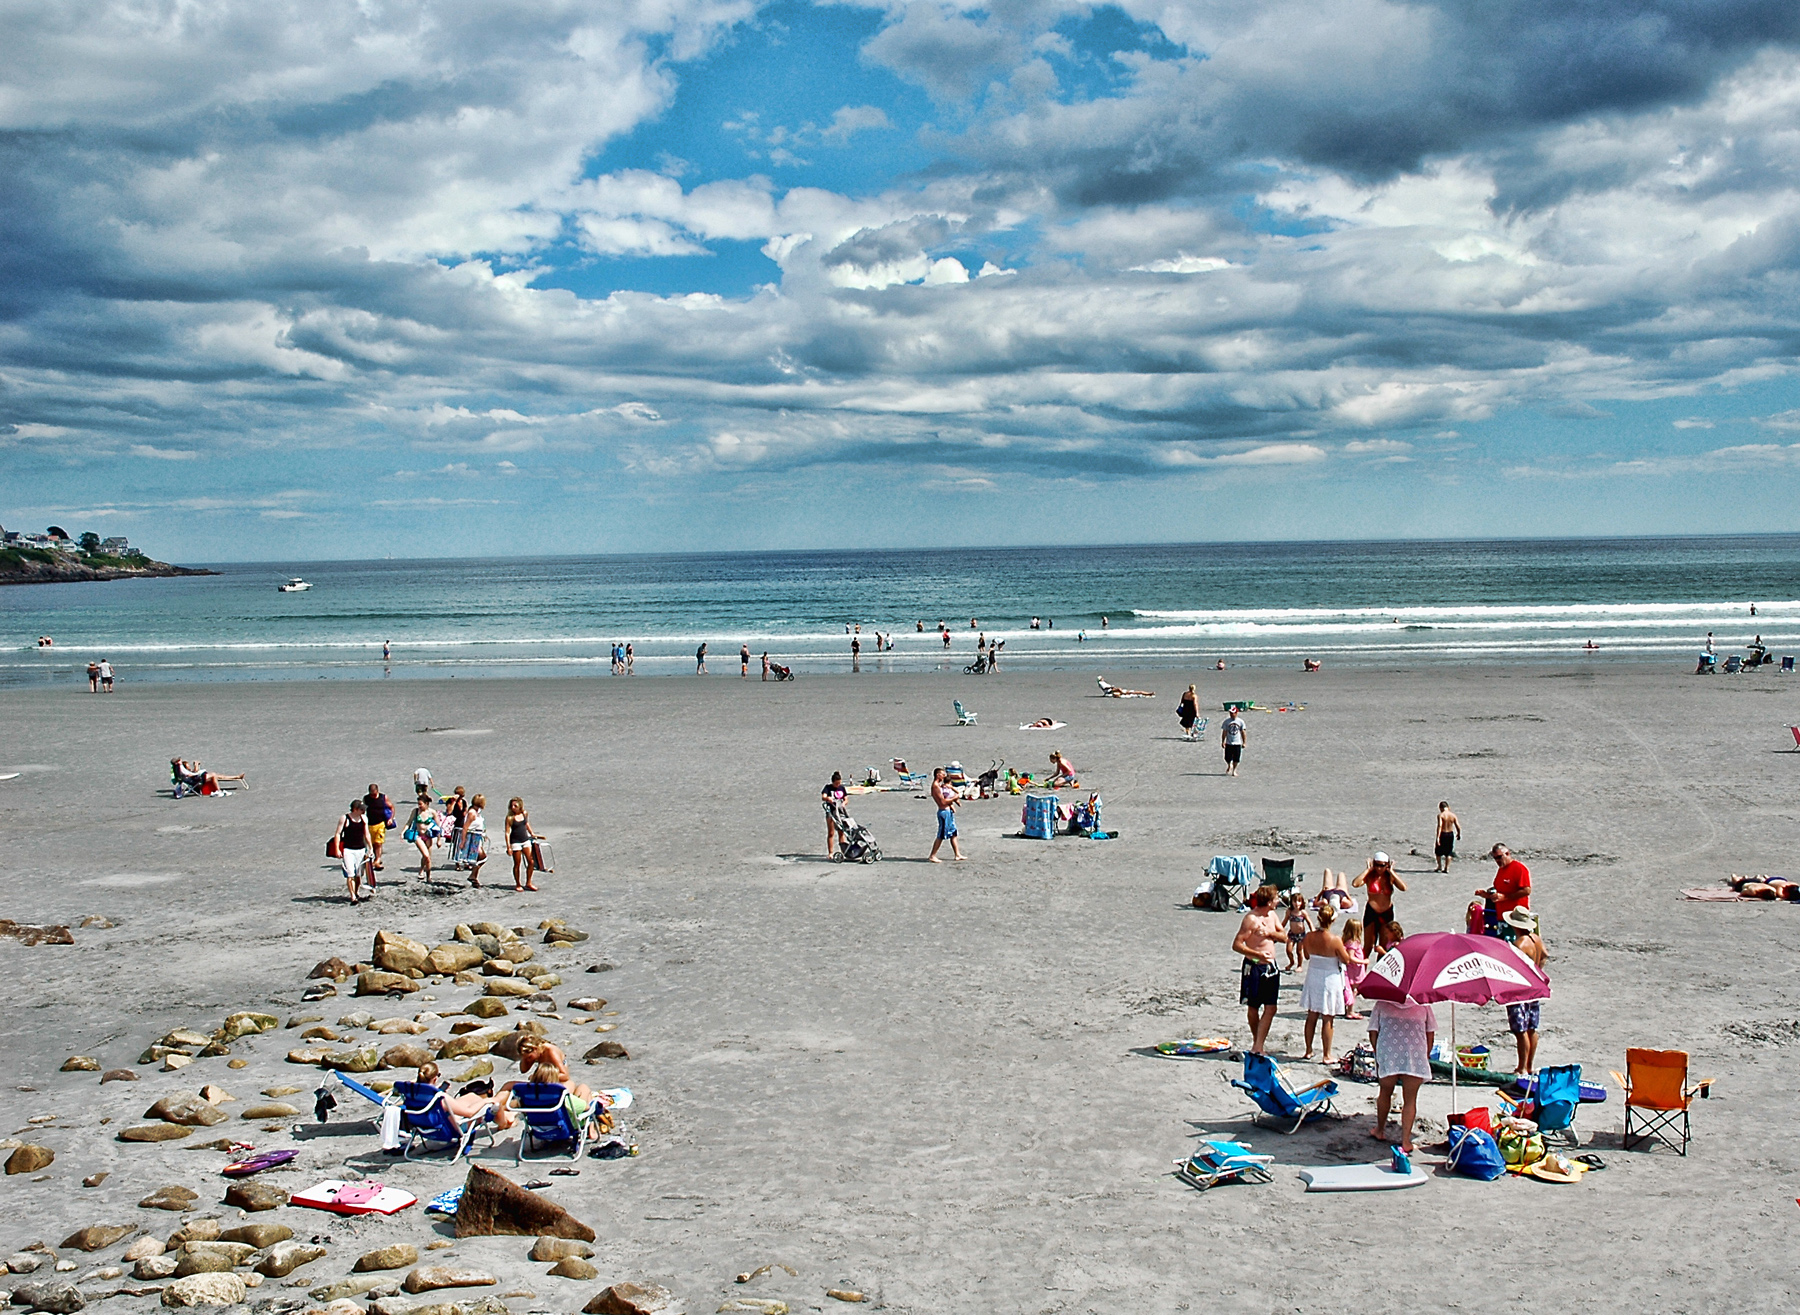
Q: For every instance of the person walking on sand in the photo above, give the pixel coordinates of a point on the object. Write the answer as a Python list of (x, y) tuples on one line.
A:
[(743, 662), (1378, 910), (1449, 831), (475, 838), (93, 678), (519, 838), (422, 829), (1188, 710), (1522, 1019), (353, 850), (106, 676), (1233, 736), (945, 799), (1259, 981), (834, 793), (700, 660), (1325, 991), (381, 816)]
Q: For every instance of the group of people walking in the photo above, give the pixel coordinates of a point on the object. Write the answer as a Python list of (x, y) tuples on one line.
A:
[(457, 820)]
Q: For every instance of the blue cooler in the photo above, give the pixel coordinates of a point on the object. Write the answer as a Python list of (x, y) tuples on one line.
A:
[(1040, 816)]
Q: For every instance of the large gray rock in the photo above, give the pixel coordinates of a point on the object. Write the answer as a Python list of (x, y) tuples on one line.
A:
[(353, 1287), (495, 1206), (172, 1197), (57, 1295), (189, 1111), (631, 1299), (97, 1237), (428, 1278), (395, 953), (273, 1109), (145, 1247), (205, 1290), (574, 1267), (27, 1262), (450, 959), (556, 1248), (284, 1258), (397, 1256), (157, 1131), (155, 1267), (29, 1159), (255, 1196), (257, 1235)]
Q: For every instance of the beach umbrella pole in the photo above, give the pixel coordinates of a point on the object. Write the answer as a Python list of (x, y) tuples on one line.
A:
[(1455, 1062)]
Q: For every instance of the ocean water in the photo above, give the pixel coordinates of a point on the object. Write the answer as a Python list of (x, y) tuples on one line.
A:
[(1179, 606)]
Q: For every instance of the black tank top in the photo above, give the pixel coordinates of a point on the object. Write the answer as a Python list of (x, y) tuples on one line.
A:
[(356, 834), (520, 832)]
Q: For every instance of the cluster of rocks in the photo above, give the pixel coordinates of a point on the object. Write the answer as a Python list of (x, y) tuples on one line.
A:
[(477, 951)]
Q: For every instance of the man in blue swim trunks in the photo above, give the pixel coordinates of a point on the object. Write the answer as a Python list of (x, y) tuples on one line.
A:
[(945, 799)]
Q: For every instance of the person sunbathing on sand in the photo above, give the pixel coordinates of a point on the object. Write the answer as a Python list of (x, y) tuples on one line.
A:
[(1041, 724), (1334, 892), (462, 1108), (196, 777), (1062, 771), (536, 1053)]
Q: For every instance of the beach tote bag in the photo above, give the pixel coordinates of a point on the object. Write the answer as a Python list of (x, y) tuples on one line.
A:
[(333, 849), (1474, 1154)]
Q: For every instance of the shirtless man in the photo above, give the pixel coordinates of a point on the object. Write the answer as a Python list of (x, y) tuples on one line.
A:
[(945, 798), (1449, 831), (1259, 982), (1381, 883)]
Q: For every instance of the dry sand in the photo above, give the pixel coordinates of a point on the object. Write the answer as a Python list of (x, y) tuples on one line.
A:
[(929, 1083)]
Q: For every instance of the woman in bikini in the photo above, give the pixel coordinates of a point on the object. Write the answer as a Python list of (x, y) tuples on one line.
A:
[(519, 837), (462, 1108), (422, 829), (1381, 882)]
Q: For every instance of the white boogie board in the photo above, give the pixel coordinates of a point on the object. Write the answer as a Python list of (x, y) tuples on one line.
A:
[(1359, 1178)]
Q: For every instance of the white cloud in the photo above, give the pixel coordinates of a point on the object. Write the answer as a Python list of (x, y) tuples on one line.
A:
[(163, 453)]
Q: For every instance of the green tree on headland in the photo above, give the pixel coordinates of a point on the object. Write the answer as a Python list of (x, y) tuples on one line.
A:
[(90, 542)]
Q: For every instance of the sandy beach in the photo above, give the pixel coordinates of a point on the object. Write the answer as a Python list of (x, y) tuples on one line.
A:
[(930, 1083)]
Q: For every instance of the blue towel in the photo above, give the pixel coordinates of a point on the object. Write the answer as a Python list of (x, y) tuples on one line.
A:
[(445, 1203), (1233, 867)]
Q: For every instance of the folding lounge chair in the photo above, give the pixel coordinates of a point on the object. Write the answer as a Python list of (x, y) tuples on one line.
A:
[(910, 779), (963, 718), (1215, 1162), (1656, 1091), (1263, 1083), (1558, 1092), (543, 1117), (1733, 665), (1787, 665), (1279, 873), (425, 1120)]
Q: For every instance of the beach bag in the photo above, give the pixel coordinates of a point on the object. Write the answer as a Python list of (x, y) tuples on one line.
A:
[(1475, 1154), (333, 849), (1475, 1118), (1521, 1149), (411, 833)]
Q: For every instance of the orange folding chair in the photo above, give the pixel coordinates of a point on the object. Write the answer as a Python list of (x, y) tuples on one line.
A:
[(1657, 1093)]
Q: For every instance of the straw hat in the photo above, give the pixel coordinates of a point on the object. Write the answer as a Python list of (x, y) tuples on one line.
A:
[(1520, 919)]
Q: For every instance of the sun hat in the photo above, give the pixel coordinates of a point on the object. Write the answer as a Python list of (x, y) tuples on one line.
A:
[(1522, 919), (1382, 858)]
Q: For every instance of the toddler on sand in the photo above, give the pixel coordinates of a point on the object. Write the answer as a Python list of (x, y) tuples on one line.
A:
[(1299, 923)]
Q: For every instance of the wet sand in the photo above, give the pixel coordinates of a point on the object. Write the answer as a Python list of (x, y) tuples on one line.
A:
[(930, 1083)]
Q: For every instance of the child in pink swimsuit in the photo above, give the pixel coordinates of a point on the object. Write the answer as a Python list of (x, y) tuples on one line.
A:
[(1356, 969)]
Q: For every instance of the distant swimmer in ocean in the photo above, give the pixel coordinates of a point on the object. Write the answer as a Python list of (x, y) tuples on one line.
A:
[(1590, 647)]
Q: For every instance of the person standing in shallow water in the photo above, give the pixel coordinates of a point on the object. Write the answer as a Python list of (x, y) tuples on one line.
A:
[(700, 660)]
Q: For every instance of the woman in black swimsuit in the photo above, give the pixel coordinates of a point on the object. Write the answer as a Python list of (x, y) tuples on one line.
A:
[(519, 836)]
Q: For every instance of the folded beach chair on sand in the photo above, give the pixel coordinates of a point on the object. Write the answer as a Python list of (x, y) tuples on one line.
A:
[(1657, 1093), (963, 718), (1264, 1083), (425, 1121), (544, 1117), (1558, 1092), (1215, 1162)]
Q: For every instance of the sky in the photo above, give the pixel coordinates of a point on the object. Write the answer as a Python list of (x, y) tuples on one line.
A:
[(300, 279)]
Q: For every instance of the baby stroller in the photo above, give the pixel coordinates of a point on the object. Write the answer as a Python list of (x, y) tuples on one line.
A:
[(780, 672), (855, 844), (980, 666)]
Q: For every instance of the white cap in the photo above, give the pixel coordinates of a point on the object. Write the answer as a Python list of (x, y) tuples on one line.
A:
[(1382, 858)]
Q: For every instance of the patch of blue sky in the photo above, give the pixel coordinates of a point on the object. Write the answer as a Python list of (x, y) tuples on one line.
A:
[(763, 102), (1086, 67), (731, 268)]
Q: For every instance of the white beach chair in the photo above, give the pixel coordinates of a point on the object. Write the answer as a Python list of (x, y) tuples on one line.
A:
[(963, 717)]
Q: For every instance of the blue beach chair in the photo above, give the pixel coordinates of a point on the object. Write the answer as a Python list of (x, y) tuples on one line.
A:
[(425, 1121), (544, 1117), (963, 718), (1215, 1162), (1263, 1083), (1558, 1092)]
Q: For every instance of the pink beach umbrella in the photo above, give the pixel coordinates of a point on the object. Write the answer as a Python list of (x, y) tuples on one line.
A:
[(1452, 966)]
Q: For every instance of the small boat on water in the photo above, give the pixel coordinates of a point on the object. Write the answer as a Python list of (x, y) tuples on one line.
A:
[(295, 586)]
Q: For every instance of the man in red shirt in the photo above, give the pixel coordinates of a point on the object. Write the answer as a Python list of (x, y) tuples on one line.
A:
[(1512, 883)]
